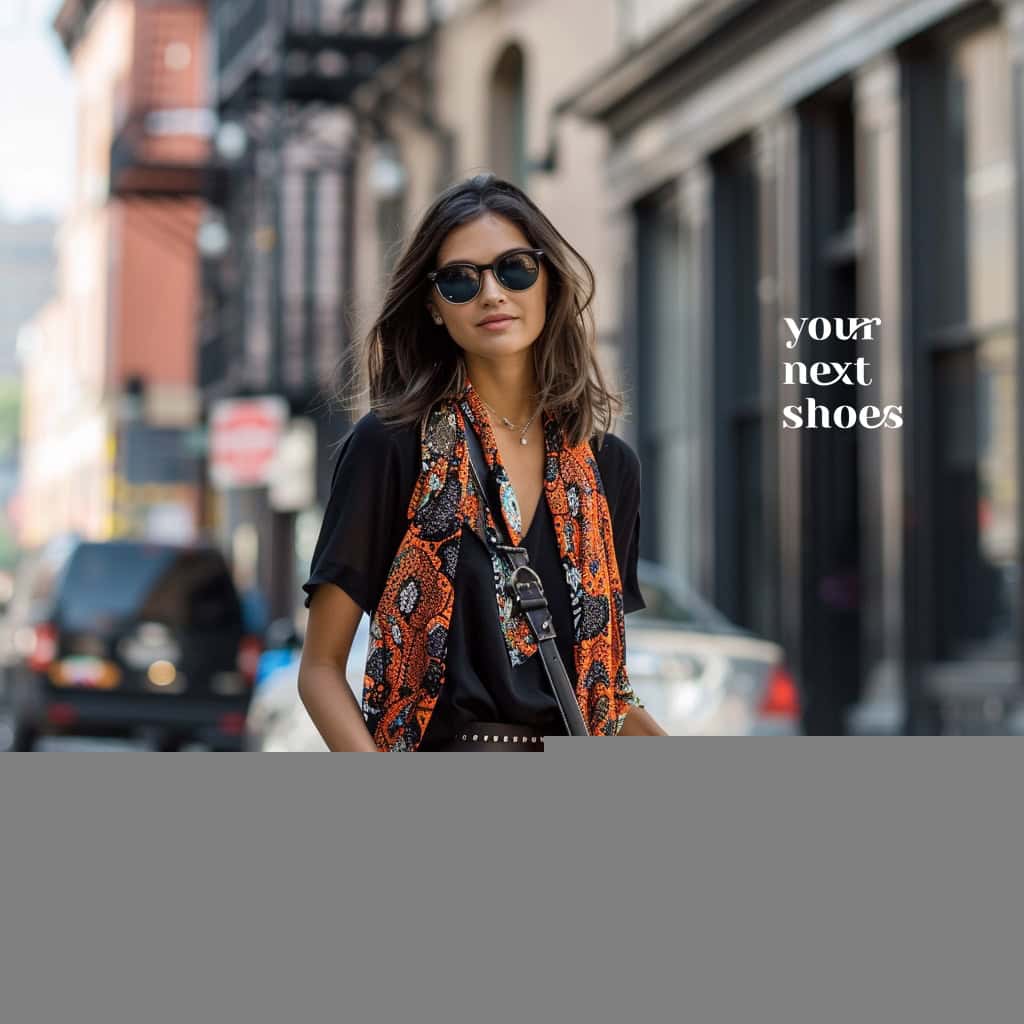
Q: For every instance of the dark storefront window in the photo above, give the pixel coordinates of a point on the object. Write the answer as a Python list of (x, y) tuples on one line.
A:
[(975, 531), (967, 269), (739, 402), (660, 399), (832, 499)]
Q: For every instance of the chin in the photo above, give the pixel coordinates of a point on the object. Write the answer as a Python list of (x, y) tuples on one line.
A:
[(499, 345)]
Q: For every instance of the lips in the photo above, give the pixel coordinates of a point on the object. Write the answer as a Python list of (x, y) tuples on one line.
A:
[(496, 320)]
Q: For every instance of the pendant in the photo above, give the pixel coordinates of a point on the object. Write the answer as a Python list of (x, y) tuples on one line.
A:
[(522, 440)]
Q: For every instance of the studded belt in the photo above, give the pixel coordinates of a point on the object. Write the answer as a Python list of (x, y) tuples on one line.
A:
[(495, 736)]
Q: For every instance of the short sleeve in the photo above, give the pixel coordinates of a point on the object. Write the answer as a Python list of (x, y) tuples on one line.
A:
[(619, 466), (365, 517)]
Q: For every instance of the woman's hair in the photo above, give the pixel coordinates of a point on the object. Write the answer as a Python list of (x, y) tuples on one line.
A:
[(410, 363)]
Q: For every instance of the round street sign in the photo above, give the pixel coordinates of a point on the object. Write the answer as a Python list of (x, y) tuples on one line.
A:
[(244, 435)]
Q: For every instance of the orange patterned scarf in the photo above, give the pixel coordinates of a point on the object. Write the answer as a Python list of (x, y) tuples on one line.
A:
[(405, 666)]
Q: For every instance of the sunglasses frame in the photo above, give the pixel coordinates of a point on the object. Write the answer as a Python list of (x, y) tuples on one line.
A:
[(480, 268)]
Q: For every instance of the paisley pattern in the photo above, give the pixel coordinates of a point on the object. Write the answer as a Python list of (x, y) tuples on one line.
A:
[(405, 666)]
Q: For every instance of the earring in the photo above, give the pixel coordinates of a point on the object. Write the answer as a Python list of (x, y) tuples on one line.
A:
[(438, 320)]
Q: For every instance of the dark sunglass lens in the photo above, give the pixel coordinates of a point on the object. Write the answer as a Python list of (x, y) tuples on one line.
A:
[(458, 284), (518, 270)]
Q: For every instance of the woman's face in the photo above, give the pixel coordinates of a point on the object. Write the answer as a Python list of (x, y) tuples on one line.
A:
[(482, 241)]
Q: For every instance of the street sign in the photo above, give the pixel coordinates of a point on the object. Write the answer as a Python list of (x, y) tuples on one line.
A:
[(244, 435)]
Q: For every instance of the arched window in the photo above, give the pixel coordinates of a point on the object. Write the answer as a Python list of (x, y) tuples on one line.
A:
[(506, 128)]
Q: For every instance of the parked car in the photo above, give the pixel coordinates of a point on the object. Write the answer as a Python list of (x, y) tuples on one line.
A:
[(128, 638), (697, 673)]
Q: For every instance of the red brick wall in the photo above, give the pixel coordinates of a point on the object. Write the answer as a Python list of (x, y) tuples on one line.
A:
[(155, 289)]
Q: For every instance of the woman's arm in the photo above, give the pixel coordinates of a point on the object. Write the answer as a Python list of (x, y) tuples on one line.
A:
[(639, 723), (323, 687)]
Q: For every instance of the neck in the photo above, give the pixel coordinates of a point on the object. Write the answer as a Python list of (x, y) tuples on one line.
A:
[(508, 386)]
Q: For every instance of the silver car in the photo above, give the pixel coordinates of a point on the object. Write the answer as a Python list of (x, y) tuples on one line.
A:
[(700, 674)]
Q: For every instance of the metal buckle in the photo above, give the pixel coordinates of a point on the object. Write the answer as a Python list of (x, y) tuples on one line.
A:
[(530, 583)]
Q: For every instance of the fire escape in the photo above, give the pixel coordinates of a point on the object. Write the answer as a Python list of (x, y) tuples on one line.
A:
[(293, 79), (278, 270)]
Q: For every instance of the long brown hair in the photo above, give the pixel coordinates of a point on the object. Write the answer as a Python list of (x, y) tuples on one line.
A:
[(410, 363)]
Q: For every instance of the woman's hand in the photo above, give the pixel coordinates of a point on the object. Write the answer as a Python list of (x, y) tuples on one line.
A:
[(639, 723), (331, 704)]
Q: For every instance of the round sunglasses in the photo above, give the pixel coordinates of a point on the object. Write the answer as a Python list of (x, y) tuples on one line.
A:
[(515, 270)]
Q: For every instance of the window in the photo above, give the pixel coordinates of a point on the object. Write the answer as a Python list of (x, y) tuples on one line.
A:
[(388, 181), (106, 584), (664, 367), (741, 569), (966, 269), (507, 118)]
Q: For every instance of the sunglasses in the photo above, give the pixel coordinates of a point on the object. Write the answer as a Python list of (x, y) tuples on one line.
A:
[(515, 270)]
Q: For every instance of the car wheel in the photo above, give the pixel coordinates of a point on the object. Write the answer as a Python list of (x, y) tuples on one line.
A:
[(25, 736)]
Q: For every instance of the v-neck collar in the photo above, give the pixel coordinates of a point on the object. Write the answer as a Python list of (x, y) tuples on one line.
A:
[(537, 512), (509, 501)]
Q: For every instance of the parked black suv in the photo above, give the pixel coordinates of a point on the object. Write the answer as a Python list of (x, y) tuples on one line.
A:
[(127, 638)]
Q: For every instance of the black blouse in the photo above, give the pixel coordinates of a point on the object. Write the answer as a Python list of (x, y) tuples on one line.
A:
[(365, 520)]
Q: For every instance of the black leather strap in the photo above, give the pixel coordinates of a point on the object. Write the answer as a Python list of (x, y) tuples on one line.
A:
[(528, 592)]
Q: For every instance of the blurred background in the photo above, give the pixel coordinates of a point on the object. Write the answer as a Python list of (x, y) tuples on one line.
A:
[(200, 201)]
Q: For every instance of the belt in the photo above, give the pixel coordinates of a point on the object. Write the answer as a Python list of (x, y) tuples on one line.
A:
[(495, 736)]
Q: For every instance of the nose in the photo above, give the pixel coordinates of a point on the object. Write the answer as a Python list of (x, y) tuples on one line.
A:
[(489, 286)]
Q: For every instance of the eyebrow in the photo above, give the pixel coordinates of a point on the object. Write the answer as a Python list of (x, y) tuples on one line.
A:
[(473, 263)]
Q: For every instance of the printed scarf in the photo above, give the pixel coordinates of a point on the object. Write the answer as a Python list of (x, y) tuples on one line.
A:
[(405, 666)]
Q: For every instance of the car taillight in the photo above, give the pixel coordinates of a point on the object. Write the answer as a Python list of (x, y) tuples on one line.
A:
[(781, 698), (249, 650), (44, 647), (62, 714), (231, 724)]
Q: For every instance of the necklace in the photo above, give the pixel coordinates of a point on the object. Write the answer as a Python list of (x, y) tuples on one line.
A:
[(510, 425)]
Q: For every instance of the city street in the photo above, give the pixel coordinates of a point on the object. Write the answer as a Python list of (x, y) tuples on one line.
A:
[(79, 742), (806, 321)]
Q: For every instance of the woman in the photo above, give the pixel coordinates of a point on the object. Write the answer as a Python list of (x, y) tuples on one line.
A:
[(486, 326)]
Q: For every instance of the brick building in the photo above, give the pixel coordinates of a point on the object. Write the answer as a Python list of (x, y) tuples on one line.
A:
[(109, 373)]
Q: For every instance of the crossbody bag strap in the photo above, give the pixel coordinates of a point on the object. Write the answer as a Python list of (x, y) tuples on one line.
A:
[(527, 591)]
